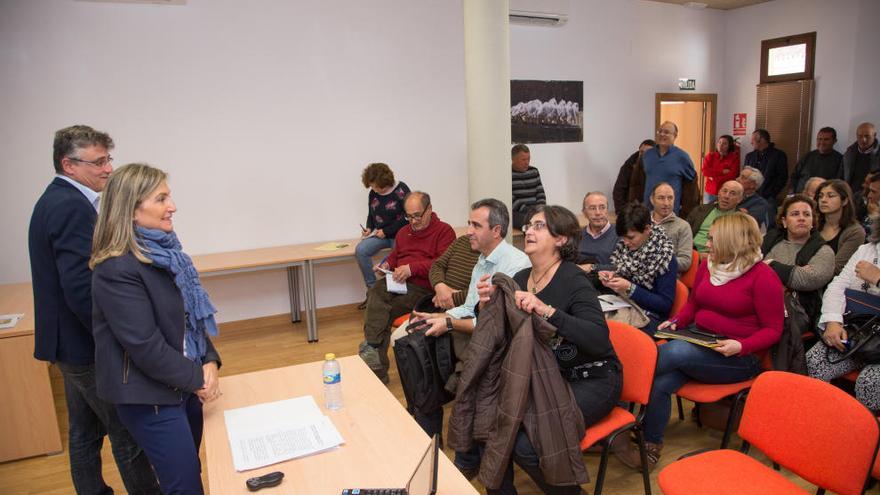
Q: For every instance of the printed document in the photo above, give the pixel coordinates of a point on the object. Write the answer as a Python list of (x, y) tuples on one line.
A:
[(610, 302), (273, 432)]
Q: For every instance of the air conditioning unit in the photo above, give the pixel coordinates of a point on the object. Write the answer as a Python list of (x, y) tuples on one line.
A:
[(552, 13)]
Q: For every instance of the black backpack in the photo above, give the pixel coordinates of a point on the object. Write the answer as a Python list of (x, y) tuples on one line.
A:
[(424, 364)]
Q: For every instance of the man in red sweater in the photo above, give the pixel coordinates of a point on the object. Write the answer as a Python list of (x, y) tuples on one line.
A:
[(416, 246)]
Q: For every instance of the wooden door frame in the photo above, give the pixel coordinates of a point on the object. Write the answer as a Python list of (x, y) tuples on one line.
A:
[(711, 98)]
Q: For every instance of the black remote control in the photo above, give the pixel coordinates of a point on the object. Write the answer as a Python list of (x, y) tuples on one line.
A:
[(265, 481)]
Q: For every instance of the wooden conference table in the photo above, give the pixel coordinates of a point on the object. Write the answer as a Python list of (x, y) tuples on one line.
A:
[(28, 425), (298, 259), (382, 446)]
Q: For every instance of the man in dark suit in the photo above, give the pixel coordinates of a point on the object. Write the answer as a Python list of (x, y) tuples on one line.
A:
[(60, 243), (772, 162)]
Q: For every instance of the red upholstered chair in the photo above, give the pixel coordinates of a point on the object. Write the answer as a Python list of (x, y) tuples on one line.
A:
[(704, 393), (810, 427), (875, 471), (681, 297), (852, 376), (688, 277), (638, 355), (400, 320)]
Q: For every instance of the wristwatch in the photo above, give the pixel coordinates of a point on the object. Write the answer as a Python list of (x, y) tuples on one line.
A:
[(631, 290), (448, 324)]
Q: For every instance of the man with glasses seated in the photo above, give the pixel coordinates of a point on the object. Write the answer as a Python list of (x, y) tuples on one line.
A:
[(599, 236), (667, 163), (416, 246)]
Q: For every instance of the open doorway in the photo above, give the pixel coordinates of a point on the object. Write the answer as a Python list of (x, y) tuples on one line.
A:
[(694, 114)]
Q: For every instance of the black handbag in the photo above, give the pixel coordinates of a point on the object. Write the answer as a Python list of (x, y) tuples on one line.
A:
[(862, 324)]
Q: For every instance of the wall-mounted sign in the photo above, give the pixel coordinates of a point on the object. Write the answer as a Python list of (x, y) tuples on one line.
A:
[(739, 124), (687, 84)]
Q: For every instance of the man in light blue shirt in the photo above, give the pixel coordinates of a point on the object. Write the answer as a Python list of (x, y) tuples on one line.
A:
[(487, 228), (668, 163)]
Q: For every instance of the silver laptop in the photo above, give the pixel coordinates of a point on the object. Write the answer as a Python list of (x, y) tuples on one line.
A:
[(422, 482)]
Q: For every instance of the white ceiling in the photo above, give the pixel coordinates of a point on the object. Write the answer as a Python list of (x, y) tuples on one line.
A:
[(716, 4)]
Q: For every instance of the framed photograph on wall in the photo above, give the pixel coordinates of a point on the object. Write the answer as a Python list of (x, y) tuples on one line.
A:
[(547, 111)]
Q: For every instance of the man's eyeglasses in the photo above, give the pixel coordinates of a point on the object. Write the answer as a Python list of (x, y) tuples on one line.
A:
[(416, 216), (537, 226), (100, 162), (665, 132)]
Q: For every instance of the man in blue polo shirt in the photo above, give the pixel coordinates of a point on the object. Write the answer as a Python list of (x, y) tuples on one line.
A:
[(668, 163)]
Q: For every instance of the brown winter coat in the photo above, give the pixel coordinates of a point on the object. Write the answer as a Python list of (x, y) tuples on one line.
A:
[(511, 380)]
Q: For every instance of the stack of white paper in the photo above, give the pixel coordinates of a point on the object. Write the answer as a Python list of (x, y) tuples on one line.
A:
[(610, 302), (9, 321), (273, 432), (391, 285)]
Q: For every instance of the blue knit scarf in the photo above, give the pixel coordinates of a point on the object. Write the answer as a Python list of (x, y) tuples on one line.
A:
[(164, 250)]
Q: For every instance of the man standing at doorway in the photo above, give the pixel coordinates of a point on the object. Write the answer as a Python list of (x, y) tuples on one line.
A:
[(667, 163), (771, 162)]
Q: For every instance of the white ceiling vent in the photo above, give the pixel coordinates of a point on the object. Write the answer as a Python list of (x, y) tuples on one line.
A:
[(539, 12)]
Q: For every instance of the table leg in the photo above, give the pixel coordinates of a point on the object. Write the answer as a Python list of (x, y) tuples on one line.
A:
[(293, 290), (312, 323)]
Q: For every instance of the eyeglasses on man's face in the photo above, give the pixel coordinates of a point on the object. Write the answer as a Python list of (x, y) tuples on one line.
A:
[(100, 162), (410, 217), (665, 132), (536, 226)]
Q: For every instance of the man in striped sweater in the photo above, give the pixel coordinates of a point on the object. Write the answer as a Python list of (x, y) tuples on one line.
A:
[(527, 188)]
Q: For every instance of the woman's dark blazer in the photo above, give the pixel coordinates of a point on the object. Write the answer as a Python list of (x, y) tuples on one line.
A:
[(138, 324)]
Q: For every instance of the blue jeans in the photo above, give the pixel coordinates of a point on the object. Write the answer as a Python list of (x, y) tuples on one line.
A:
[(90, 418), (677, 363), (170, 435), (364, 252)]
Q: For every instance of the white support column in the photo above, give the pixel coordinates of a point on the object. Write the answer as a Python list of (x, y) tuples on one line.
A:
[(487, 88)]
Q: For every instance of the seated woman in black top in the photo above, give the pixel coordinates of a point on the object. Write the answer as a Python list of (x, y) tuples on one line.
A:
[(645, 269), (153, 357), (557, 289)]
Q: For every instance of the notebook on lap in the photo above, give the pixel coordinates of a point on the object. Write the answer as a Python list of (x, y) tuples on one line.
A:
[(422, 482)]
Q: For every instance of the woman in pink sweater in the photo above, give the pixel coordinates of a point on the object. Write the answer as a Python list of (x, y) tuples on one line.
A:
[(734, 295)]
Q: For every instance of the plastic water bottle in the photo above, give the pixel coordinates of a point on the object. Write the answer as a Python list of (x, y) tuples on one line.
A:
[(332, 382)]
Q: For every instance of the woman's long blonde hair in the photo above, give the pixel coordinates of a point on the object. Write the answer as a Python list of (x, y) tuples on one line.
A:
[(737, 240), (128, 186)]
